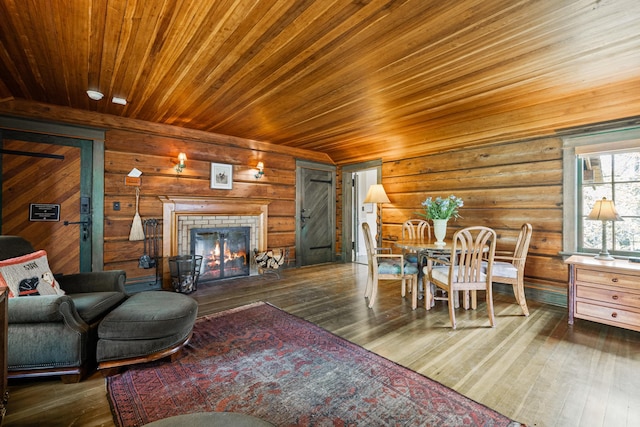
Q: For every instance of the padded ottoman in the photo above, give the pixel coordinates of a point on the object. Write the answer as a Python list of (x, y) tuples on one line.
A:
[(147, 326)]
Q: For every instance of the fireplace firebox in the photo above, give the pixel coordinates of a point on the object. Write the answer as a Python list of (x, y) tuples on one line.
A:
[(225, 252)]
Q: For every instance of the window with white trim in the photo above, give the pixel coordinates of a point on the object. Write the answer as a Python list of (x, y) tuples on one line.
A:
[(604, 164)]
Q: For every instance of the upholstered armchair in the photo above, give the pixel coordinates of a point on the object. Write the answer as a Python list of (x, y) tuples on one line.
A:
[(57, 334)]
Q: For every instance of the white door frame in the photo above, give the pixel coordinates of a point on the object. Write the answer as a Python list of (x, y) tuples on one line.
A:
[(352, 205)]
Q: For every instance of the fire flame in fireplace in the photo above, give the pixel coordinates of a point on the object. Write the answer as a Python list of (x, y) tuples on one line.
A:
[(224, 250), (214, 255)]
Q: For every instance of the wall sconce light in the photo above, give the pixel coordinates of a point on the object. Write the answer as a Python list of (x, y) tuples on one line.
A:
[(182, 158), (260, 170)]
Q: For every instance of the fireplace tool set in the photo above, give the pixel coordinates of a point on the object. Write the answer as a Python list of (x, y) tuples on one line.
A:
[(149, 258)]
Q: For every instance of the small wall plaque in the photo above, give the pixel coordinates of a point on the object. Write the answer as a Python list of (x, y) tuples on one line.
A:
[(133, 178), (132, 181), (44, 212)]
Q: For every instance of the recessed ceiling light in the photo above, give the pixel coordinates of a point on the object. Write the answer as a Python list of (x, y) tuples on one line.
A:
[(120, 101), (95, 95)]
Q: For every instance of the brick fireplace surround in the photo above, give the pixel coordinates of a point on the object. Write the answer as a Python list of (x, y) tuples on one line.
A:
[(180, 213)]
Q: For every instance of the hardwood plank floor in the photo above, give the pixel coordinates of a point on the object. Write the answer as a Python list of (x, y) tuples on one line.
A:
[(537, 370)]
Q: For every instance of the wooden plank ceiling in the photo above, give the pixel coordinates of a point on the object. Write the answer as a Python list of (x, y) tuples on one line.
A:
[(355, 79)]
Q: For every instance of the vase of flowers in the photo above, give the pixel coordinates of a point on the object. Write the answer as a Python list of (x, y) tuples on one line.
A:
[(440, 210), (440, 231)]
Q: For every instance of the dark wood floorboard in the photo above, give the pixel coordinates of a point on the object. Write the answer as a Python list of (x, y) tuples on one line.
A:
[(537, 370)]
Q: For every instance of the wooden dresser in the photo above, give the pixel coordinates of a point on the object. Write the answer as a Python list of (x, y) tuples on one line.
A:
[(4, 393), (604, 291)]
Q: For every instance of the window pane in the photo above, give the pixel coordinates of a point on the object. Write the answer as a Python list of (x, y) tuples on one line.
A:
[(592, 234), (628, 199), (606, 166), (592, 170), (616, 177), (626, 239), (627, 166)]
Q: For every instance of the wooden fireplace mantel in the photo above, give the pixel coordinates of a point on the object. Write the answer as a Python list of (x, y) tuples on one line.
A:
[(175, 206)]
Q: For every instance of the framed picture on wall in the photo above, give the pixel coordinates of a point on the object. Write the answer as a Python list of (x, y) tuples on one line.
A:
[(221, 176)]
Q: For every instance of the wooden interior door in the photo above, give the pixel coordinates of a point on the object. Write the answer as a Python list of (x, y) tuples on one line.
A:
[(46, 170), (316, 216)]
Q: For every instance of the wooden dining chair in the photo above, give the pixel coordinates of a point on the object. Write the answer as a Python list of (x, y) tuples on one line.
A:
[(387, 266), (508, 267), (465, 270), (418, 230)]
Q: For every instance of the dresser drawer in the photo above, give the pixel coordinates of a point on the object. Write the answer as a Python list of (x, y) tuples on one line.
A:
[(608, 315), (620, 280), (608, 295)]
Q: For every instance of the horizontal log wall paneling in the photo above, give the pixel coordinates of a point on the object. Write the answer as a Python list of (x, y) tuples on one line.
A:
[(503, 186), (156, 155), (153, 148)]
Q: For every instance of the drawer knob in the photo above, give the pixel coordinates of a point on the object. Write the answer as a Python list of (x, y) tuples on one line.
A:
[(614, 280), (614, 314), (615, 297)]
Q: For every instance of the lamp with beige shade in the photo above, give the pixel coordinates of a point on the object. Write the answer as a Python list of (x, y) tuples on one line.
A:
[(377, 195), (604, 210)]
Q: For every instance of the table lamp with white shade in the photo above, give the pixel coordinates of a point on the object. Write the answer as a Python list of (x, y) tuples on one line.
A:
[(604, 210), (377, 195)]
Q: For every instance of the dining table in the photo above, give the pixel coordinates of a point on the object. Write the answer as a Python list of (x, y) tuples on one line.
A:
[(431, 252), (421, 245), (426, 250)]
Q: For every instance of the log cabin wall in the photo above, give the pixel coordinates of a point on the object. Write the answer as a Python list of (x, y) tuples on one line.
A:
[(156, 155), (153, 149), (503, 186)]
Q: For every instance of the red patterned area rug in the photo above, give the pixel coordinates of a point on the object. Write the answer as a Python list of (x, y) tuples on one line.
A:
[(262, 361)]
